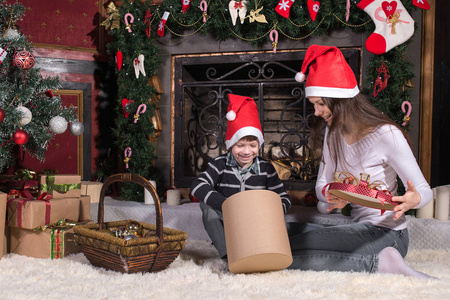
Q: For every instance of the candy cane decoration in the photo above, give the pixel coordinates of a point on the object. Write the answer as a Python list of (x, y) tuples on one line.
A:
[(128, 27), (347, 11), (274, 39), (127, 154), (406, 118), (141, 109), (203, 8)]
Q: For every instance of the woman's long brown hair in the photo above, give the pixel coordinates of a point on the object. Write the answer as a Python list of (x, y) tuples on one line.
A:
[(355, 117)]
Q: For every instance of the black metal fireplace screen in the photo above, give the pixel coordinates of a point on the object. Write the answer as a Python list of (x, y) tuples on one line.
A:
[(202, 84)]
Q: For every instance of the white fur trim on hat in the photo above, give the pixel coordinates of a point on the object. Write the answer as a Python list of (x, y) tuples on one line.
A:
[(231, 115), (300, 77), (320, 91), (244, 131)]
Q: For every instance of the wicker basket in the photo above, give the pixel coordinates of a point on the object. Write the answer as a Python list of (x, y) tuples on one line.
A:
[(154, 251)]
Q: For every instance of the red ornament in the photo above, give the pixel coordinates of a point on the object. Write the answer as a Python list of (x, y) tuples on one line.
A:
[(310, 200), (126, 106), (2, 115), (20, 137), (119, 59), (313, 8), (24, 60), (381, 83)]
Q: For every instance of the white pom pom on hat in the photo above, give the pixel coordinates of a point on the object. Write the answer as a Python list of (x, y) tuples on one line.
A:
[(243, 120), (329, 73)]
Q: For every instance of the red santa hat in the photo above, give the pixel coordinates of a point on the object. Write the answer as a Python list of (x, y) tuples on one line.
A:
[(242, 119), (329, 73)]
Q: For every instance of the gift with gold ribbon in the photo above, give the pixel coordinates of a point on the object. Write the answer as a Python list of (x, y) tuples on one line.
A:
[(53, 241), (363, 192), (60, 186)]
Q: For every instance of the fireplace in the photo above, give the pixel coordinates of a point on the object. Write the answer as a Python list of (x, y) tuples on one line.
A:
[(201, 85)]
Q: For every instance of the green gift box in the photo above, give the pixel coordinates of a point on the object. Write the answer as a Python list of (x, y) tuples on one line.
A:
[(60, 186)]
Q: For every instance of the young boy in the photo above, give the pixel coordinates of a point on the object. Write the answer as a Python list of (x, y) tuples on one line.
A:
[(239, 170)]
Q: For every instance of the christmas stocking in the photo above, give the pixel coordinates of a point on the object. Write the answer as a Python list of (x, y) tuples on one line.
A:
[(393, 24), (185, 5), (422, 4), (162, 23), (284, 7)]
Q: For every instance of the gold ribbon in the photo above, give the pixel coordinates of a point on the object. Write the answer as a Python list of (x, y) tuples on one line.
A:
[(113, 21), (394, 20)]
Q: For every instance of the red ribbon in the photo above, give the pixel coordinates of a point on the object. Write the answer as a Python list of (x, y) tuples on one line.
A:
[(25, 197), (238, 4)]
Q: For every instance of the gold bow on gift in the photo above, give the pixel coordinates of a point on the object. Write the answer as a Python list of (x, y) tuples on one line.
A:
[(113, 21)]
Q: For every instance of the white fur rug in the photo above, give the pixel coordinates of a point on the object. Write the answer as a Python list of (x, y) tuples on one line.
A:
[(198, 273)]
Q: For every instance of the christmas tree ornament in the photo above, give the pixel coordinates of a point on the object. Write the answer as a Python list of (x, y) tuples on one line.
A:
[(322, 207), (113, 21), (423, 4), (139, 65), (147, 21), (255, 15), (3, 54), (408, 113), (381, 82), (76, 128), (2, 115), (237, 8), (313, 8), (11, 34), (393, 24), (20, 137), (58, 125), (274, 39), (284, 7), (185, 5), (141, 109), (24, 60), (126, 17), (119, 59), (126, 104), (204, 9), (49, 93), (26, 115), (127, 154), (162, 23)]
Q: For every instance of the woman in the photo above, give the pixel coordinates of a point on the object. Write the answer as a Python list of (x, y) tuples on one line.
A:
[(358, 139)]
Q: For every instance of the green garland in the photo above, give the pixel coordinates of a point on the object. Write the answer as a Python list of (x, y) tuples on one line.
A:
[(298, 26)]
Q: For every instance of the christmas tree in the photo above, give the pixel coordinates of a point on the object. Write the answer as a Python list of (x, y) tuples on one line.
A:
[(30, 115)]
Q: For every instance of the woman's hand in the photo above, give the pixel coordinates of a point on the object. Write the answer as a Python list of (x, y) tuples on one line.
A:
[(409, 200), (335, 201)]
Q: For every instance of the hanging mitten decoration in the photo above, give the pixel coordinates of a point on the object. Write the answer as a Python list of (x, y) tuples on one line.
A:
[(139, 65), (119, 59), (237, 8), (126, 17), (162, 23), (185, 5), (3, 54), (392, 29), (313, 8), (126, 106), (204, 9), (148, 23), (284, 7), (381, 82), (423, 4)]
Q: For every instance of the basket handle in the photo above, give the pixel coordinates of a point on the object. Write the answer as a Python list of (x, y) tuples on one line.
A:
[(129, 177)]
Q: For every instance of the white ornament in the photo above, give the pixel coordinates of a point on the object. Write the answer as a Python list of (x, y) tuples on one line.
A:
[(11, 34), (58, 125), (237, 8), (322, 207), (26, 115), (76, 128)]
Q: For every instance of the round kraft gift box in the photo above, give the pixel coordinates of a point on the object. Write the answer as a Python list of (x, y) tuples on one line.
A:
[(255, 232)]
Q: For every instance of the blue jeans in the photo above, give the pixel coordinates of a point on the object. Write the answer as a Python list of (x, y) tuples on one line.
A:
[(350, 247), (213, 223)]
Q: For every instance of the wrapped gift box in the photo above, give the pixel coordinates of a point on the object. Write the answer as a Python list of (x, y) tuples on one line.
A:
[(49, 243), (85, 208), (93, 189), (29, 214), (60, 186), (3, 247)]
